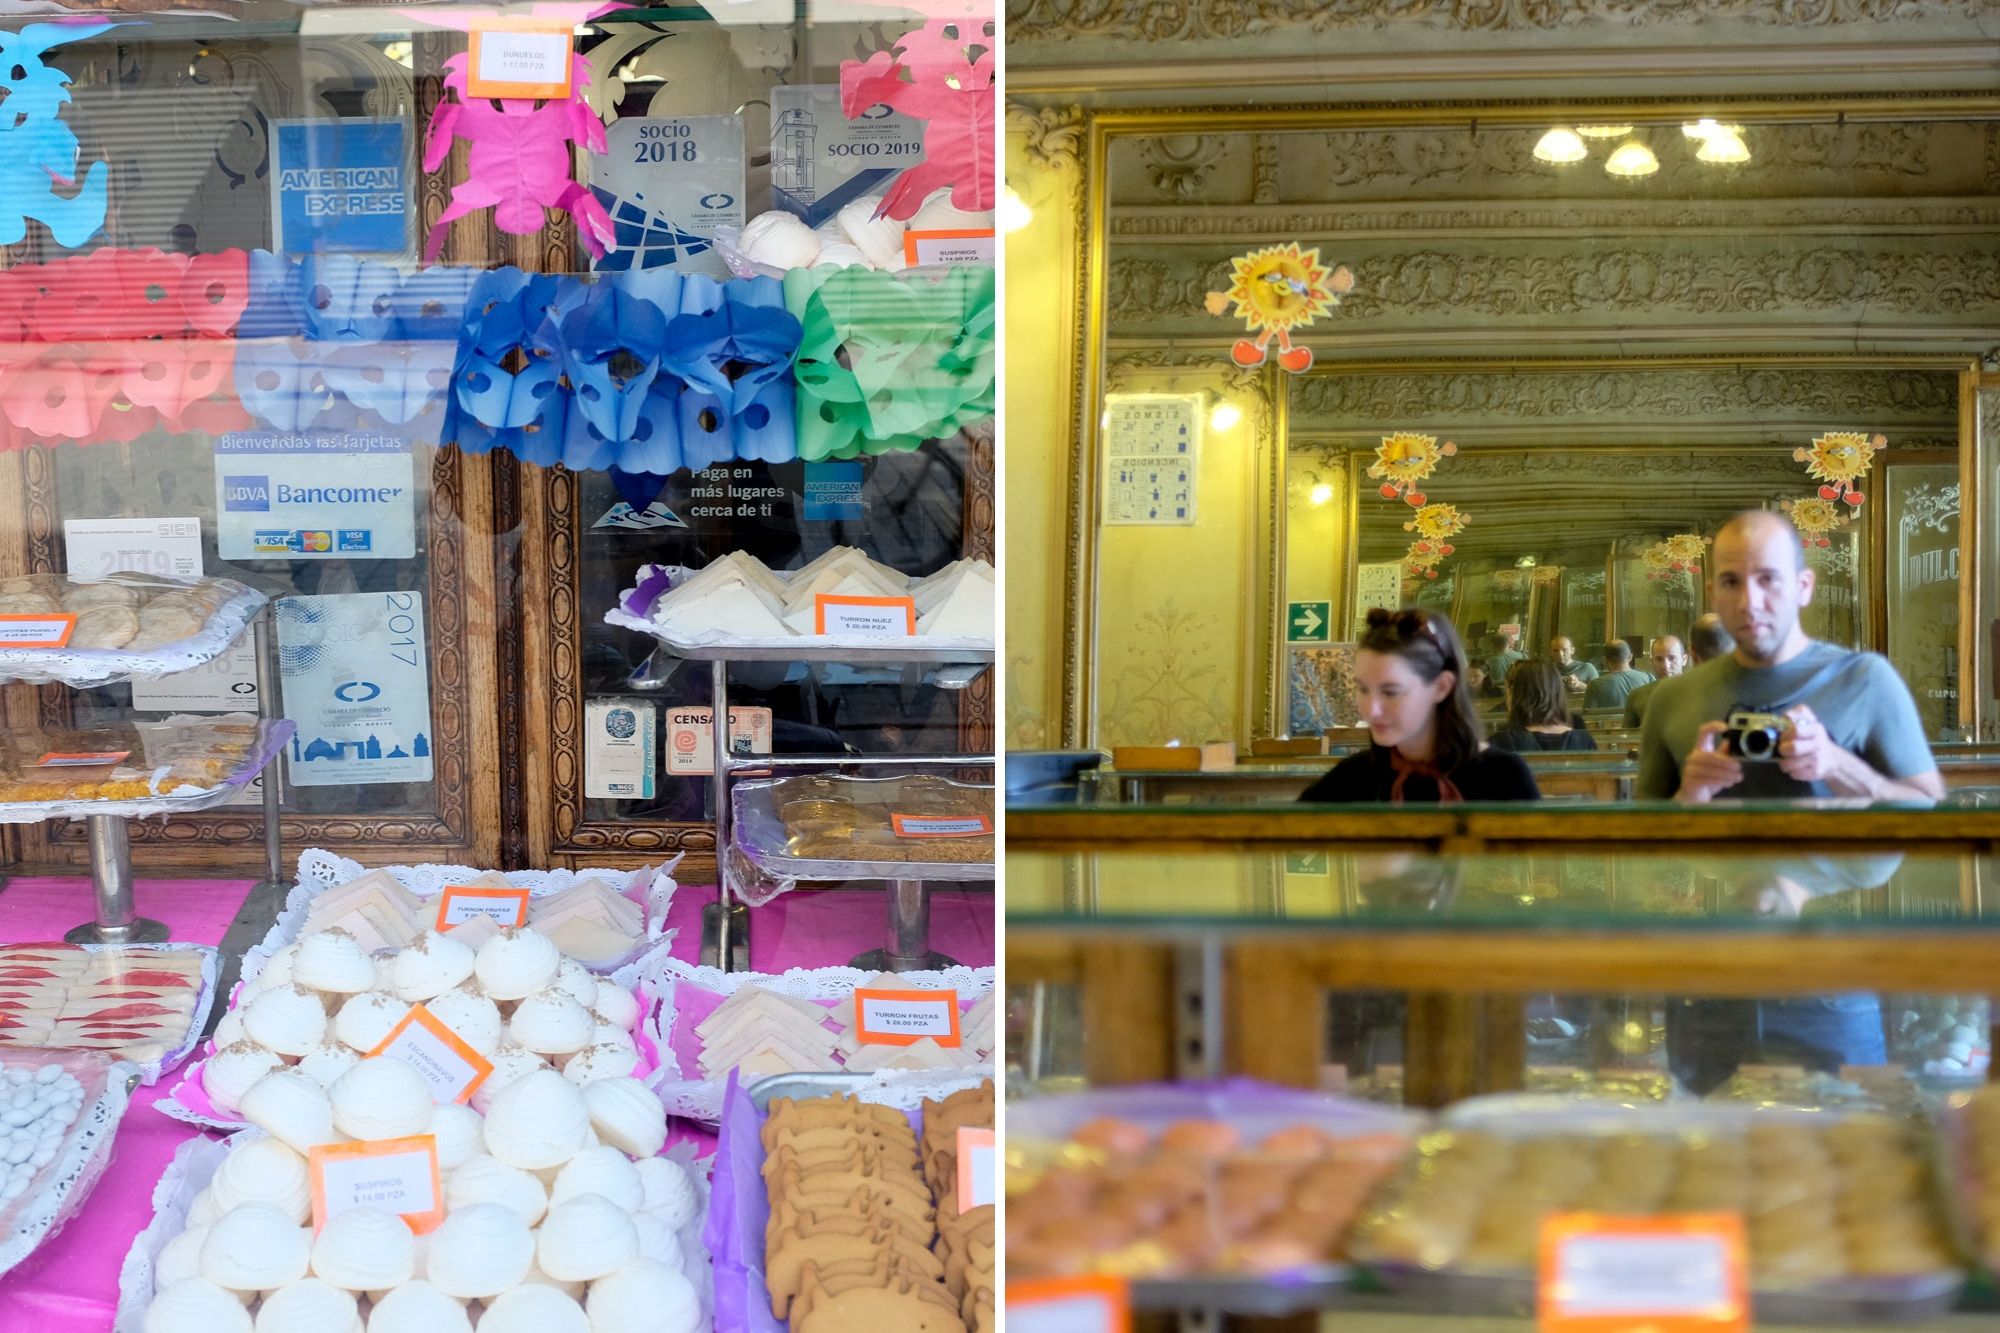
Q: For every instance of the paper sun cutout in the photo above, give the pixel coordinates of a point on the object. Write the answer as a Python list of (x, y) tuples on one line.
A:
[(522, 159), (1679, 554), (1406, 458), (1435, 526), (942, 74), (1840, 458), (1276, 290), (1816, 518), (37, 150)]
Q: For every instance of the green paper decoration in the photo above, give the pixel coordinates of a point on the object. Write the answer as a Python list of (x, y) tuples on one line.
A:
[(890, 360)]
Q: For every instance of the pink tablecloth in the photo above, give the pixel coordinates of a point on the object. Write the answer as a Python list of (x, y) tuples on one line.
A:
[(70, 1284), (826, 927)]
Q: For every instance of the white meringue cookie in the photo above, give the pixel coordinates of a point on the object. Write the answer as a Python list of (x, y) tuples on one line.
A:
[(603, 1171), (537, 1278), (366, 1019), (615, 1005), (202, 1209), (585, 1238), (286, 1019), (459, 1131), (432, 965), (880, 240), (278, 967), (229, 1030), (179, 1258), (288, 1105), (627, 1115), (333, 961), (365, 1249), (195, 1305), (328, 1061), (484, 1179), (574, 980), (670, 1193), (840, 256), (509, 1064), (780, 240), (474, 1018), (657, 1240), (938, 214), (606, 1035), (517, 963), (309, 1306), (381, 1098), (539, 1120), (479, 1251), (533, 1309), (550, 1023), (254, 1247), (385, 973), (605, 1061), (228, 1074), (645, 1296), (418, 1307), (264, 1171)]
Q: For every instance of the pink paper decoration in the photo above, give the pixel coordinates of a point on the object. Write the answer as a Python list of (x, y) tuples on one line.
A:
[(941, 73), (522, 161)]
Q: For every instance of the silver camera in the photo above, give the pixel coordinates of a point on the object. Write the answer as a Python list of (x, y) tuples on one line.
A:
[(1755, 736)]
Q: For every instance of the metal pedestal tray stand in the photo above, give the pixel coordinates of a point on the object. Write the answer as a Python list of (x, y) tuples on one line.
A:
[(726, 922), (117, 920)]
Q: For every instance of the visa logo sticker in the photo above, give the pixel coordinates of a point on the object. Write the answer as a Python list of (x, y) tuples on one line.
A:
[(355, 539), (247, 494), (290, 541)]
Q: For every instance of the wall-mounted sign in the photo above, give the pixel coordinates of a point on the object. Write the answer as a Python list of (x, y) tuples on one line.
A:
[(340, 185), (315, 495), (668, 182), (821, 161), (355, 677)]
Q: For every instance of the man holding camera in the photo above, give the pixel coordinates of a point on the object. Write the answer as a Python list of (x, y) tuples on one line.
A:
[(1782, 715)]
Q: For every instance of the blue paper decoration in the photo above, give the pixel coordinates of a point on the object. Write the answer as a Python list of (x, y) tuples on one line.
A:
[(37, 150)]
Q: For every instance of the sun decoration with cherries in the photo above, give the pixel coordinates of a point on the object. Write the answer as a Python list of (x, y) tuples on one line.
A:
[(1840, 458), (1679, 554), (1439, 522), (1424, 556), (1406, 458), (1815, 518)]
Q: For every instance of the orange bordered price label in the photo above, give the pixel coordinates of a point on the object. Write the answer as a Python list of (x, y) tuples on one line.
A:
[(396, 1175), (1673, 1273), (884, 1017), (82, 759), (460, 903), (865, 617), (978, 1171), (453, 1069), (37, 631), (1092, 1304), (940, 826), (520, 58), (947, 247)]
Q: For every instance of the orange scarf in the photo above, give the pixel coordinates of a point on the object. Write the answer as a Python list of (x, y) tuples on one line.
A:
[(1448, 793)]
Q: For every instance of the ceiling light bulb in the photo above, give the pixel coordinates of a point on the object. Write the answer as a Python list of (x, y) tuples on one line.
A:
[(1224, 415), (1604, 131), (1014, 214), (1725, 145), (1632, 159), (1560, 145), (1320, 494), (1701, 129)]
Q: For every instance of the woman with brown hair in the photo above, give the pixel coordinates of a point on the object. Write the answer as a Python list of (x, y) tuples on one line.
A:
[(1538, 711), (1427, 744)]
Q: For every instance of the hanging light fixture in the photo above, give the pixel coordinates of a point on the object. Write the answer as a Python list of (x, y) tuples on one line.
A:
[(1724, 145), (1561, 144), (1701, 129), (1224, 416), (1604, 131), (1633, 159)]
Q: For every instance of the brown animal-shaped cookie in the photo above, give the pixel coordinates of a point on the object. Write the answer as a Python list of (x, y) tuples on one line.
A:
[(867, 1156), (871, 1302), (836, 1111), (786, 1215), (830, 1136), (786, 1258), (830, 1189)]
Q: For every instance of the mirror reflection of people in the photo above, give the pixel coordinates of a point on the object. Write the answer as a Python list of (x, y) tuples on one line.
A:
[(1575, 674), (1620, 678), (1707, 640), (1847, 725), (1502, 655), (1426, 744), (1538, 715)]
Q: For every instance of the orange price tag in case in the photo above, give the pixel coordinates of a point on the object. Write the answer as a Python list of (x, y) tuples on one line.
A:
[(396, 1175), (453, 1069), (869, 617), (460, 903), (1093, 1304), (978, 1174), (520, 58), (37, 631), (884, 1017), (85, 759), (1673, 1273), (940, 826)]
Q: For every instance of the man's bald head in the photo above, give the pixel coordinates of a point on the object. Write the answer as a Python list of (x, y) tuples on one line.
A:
[(1764, 529)]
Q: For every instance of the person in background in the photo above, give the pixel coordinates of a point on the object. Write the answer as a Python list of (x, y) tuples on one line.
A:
[(1611, 689), (1709, 639), (1848, 725), (1426, 744), (1669, 659), (1575, 674), (1538, 711), (1504, 656)]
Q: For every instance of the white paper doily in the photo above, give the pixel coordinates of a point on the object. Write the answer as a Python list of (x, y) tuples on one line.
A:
[(82, 667), (696, 1098), (85, 1152)]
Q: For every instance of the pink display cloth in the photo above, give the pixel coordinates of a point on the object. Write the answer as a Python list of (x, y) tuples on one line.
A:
[(70, 1284), (826, 927)]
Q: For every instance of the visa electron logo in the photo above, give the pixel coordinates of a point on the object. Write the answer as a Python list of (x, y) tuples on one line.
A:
[(357, 691)]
